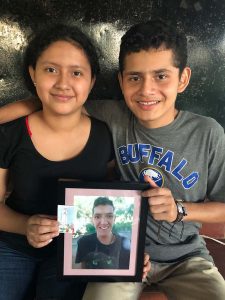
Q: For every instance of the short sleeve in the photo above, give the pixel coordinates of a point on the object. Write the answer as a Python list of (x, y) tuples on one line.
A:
[(78, 255), (10, 138), (216, 175), (109, 111)]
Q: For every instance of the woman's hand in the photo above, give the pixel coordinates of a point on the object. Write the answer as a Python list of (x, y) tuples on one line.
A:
[(147, 265), (41, 229)]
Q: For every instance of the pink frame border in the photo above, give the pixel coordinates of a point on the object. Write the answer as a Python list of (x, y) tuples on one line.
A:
[(67, 262)]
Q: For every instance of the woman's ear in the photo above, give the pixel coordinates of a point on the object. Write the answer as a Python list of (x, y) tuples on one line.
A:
[(184, 79)]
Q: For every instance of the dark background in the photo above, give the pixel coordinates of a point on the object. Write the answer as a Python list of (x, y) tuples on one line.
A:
[(105, 22)]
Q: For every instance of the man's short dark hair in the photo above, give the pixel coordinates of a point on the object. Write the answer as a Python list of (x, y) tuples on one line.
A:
[(102, 201), (154, 34)]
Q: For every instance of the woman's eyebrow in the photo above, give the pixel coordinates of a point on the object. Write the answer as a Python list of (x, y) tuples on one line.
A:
[(59, 65)]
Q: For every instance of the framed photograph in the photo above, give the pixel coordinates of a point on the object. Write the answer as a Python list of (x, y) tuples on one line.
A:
[(102, 230)]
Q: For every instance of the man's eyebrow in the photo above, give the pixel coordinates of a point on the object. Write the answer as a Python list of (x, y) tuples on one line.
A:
[(163, 70), (133, 72)]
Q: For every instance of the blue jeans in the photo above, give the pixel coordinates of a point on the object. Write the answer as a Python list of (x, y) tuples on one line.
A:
[(23, 278)]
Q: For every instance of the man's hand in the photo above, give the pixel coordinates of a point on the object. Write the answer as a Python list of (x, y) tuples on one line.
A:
[(147, 265), (41, 229), (161, 202)]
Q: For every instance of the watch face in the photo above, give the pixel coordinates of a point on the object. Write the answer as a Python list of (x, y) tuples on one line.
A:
[(181, 212), (180, 208)]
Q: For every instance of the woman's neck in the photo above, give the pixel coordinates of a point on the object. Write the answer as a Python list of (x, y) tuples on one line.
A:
[(62, 123), (59, 139)]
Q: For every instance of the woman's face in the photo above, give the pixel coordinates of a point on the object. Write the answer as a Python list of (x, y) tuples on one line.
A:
[(62, 77)]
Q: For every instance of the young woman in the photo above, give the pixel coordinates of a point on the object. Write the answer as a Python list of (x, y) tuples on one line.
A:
[(57, 141)]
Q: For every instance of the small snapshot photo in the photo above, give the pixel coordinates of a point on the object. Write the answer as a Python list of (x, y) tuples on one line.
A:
[(101, 231), (66, 216)]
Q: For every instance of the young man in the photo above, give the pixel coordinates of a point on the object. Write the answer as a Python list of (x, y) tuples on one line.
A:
[(103, 249), (183, 153)]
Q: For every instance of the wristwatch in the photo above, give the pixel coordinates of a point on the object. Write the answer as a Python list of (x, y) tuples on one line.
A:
[(181, 211)]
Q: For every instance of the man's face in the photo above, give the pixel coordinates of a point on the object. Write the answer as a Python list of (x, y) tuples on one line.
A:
[(150, 83), (103, 219)]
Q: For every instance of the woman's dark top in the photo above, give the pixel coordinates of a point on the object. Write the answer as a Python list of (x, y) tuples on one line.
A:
[(34, 178)]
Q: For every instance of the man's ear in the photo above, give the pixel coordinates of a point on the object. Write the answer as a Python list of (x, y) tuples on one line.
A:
[(184, 79), (120, 78)]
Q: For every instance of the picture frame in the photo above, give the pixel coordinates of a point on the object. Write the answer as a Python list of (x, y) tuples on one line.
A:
[(85, 251)]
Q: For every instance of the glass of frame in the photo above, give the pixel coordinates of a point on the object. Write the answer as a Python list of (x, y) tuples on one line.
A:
[(102, 229)]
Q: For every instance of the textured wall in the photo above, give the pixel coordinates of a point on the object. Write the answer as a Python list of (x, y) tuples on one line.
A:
[(106, 21)]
